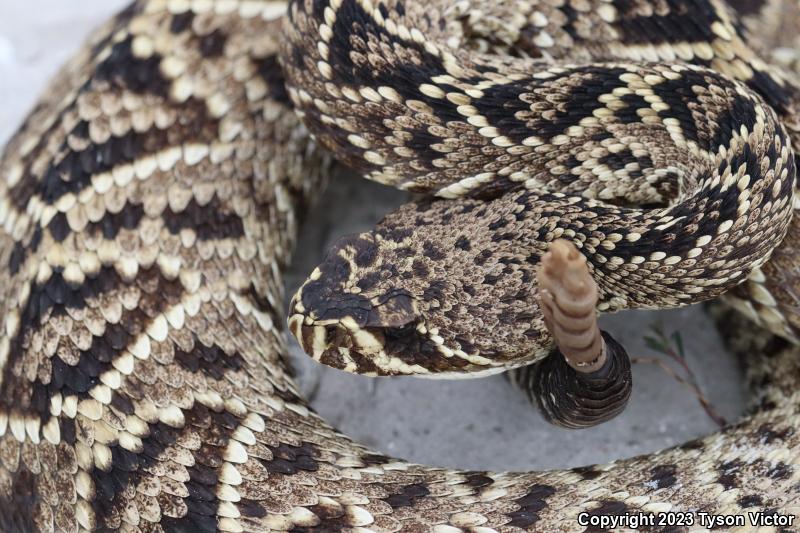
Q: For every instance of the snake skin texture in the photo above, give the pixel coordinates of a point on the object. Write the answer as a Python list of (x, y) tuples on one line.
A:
[(416, 296), (149, 205)]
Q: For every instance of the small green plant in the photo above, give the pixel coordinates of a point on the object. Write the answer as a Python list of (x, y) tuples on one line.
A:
[(672, 347)]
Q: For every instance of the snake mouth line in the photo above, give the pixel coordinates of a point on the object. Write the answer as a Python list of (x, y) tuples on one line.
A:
[(374, 348), (360, 351), (342, 344)]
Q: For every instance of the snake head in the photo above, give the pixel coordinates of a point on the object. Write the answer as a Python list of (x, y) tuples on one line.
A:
[(422, 294), (341, 324)]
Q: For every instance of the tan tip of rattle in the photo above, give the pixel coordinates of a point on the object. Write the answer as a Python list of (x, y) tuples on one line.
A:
[(568, 298)]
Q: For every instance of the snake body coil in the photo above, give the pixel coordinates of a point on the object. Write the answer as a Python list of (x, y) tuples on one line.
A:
[(149, 205)]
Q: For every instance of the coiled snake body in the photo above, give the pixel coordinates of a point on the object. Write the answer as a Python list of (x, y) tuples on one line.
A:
[(149, 205)]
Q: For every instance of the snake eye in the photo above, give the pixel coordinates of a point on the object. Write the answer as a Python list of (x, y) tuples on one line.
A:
[(403, 332)]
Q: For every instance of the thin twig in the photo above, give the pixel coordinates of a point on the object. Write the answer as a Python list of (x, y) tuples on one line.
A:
[(666, 345), (707, 406)]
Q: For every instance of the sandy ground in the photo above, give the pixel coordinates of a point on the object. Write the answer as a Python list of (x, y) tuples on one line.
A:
[(476, 424)]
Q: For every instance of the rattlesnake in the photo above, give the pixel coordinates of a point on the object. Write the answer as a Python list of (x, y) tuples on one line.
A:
[(149, 207)]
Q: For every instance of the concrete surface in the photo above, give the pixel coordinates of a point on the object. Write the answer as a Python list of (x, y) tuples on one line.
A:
[(476, 424)]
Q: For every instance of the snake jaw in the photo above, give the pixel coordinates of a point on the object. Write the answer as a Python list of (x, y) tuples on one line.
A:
[(370, 351), (337, 343)]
